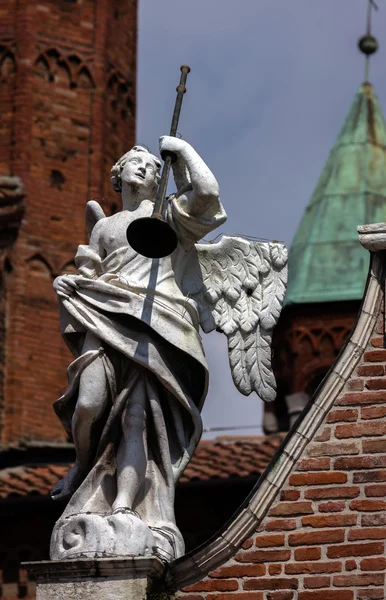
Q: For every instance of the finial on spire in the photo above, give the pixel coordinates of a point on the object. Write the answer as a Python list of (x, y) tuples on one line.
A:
[(368, 44)]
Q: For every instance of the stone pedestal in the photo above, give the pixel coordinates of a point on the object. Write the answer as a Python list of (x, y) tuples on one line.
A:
[(95, 579)]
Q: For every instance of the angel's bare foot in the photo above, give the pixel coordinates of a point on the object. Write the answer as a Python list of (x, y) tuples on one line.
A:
[(65, 488), (127, 510)]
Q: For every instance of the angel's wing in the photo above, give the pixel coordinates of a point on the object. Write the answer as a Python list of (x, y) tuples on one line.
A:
[(239, 287), (94, 213)]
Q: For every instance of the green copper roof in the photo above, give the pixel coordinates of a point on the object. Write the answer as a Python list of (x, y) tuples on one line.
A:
[(326, 261)]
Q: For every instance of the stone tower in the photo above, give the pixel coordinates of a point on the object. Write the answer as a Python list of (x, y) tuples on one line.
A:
[(327, 265), (67, 89)]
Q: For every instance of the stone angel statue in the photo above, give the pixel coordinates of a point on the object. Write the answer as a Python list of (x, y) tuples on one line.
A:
[(139, 376)]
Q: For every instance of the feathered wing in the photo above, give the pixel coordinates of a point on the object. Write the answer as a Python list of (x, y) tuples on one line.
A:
[(94, 213), (239, 287)]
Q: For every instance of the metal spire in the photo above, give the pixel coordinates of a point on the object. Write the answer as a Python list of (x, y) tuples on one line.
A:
[(368, 44)]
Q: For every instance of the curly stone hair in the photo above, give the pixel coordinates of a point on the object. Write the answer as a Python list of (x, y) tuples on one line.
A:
[(117, 169)]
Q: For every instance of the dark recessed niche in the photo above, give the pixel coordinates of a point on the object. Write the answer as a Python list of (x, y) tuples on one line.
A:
[(7, 266), (57, 179)]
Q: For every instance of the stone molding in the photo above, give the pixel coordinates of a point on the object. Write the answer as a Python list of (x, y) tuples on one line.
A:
[(198, 563), (150, 566), (373, 237), (99, 579)]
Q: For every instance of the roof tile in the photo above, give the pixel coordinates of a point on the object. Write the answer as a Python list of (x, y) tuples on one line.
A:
[(219, 459)]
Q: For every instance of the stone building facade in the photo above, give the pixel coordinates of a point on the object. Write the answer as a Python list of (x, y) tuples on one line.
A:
[(327, 268), (67, 92), (314, 527)]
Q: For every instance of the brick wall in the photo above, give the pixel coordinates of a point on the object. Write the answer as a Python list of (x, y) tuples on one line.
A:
[(324, 535), (63, 127)]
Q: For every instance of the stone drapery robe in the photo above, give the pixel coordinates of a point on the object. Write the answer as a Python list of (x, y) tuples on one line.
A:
[(149, 333)]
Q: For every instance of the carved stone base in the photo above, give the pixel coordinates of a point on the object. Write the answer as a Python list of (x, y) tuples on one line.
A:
[(99, 579), (88, 535)]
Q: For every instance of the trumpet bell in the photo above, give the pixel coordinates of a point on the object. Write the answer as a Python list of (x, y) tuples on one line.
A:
[(152, 237)]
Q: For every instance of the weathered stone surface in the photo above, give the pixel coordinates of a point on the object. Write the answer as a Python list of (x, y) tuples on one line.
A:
[(103, 579), (139, 377)]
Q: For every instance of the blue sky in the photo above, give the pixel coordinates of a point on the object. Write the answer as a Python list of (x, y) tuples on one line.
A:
[(271, 83)]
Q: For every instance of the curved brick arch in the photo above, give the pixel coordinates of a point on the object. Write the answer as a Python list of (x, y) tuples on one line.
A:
[(7, 62), (52, 64), (228, 544), (39, 263)]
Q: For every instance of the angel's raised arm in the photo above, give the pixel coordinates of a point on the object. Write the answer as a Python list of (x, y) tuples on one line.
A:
[(201, 197)]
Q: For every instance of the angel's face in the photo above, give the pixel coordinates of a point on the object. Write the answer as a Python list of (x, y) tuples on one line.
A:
[(141, 172)]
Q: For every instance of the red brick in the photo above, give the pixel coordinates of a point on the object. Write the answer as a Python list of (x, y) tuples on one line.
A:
[(193, 597), (247, 544), (355, 550), (267, 541), (367, 533), (376, 520), (291, 509), (375, 356), (280, 525), (355, 385), (263, 555), (332, 506), (378, 342), (335, 448), (355, 580), (367, 476), (373, 564), (373, 412), (313, 567), (337, 416), (275, 569), (54, 126), (316, 537), (286, 495), (313, 464), (236, 596), (360, 429), (327, 595), (238, 571), (380, 324), (316, 582), (323, 436), (371, 594), (376, 384), (273, 583), (368, 505), (374, 446), (283, 595), (213, 585), (359, 398), (324, 493), (321, 478), (370, 370), (307, 553), (375, 490), (329, 520), (351, 463), (351, 565)]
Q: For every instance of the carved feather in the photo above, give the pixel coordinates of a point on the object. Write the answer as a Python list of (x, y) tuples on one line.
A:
[(241, 285)]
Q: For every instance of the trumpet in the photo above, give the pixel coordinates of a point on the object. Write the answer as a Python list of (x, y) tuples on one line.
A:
[(152, 236)]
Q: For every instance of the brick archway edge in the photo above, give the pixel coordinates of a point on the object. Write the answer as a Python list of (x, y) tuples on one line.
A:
[(216, 551)]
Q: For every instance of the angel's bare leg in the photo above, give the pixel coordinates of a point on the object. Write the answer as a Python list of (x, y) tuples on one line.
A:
[(132, 454), (92, 398)]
